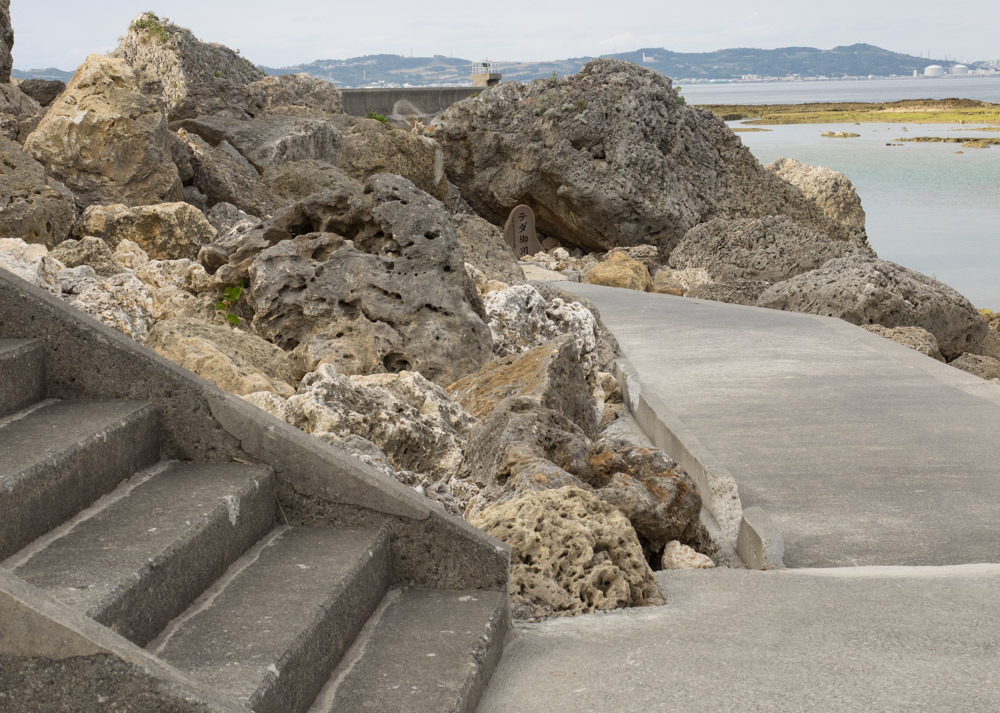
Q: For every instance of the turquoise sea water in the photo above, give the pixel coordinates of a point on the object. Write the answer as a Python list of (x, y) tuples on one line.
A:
[(927, 207)]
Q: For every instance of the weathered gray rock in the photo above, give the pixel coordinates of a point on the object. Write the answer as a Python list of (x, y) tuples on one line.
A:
[(19, 113), (6, 42), (832, 191), (295, 95), (225, 216), (43, 91), (484, 247), (741, 292), (105, 141), (122, 302), (32, 206), (372, 147), (166, 231), (982, 366), (916, 338), (755, 249), (394, 298), (89, 251), (300, 95), (866, 290), (269, 140), (30, 262), (609, 157), (295, 180), (233, 360), (179, 61), (570, 553), (224, 176)]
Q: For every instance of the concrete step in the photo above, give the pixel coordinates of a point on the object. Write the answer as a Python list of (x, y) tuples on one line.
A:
[(425, 650), (58, 458), (141, 555), (22, 374), (269, 633)]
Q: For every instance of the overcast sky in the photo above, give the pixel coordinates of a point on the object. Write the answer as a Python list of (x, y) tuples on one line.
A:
[(61, 33)]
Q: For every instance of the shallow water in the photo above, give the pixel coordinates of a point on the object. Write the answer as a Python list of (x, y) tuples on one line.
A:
[(842, 90), (927, 207)]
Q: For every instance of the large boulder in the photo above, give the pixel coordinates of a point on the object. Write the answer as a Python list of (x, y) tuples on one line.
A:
[(865, 290), (571, 553), (484, 248), (30, 262), (173, 56), (32, 206), (619, 270), (372, 147), (6, 42), (831, 190), (224, 176), (296, 180), (395, 297), (43, 91), (233, 360), (105, 141), (296, 95), (167, 231), (916, 338), (610, 157), (982, 366), (89, 251), (19, 113), (755, 249)]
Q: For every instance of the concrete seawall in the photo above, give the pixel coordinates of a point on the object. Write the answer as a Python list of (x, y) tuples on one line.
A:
[(404, 104)]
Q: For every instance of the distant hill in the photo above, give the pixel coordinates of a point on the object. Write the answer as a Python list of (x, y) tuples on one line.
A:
[(808, 62)]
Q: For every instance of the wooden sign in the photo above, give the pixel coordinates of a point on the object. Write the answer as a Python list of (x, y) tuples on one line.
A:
[(519, 232)]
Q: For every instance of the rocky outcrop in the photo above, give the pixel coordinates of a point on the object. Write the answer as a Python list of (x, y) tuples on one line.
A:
[(549, 373), (6, 42), (32, 206), (570, 553), (865, 290), (105, 141), (916, 338), (396, 297), (484, 247), (619, 270), (609, 157), (372, 147), (176, 59), (300, 95), (43, 91), (19, 113), (167, 231), (831, 190), (755, 249), (295, 95), (222, 175), (297, 180), (233, 360), (89, 251)]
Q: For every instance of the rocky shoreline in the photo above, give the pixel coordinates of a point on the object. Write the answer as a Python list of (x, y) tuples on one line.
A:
[(351, 278)]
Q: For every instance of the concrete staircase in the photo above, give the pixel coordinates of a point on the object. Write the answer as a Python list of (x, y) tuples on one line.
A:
[(223, 584)]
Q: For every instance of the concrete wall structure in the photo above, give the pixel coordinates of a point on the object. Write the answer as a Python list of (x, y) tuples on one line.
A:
[(404, 104)]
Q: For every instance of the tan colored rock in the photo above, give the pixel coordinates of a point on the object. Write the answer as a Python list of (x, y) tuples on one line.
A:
[(372, 147), (832, 191), (30, 262), (122, 302), (105, 141), (87, 251), (233, 360), (989, 346), (484, 246), (679, 282), (571, 553), (678, 556), (916, 338), (619, 270), (32, 206), (129, 255), (180, 288), (982, 366), (167, 231)]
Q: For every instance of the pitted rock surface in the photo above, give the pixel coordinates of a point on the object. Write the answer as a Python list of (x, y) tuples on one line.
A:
[(831, 190), (166, 231), (484, 247), (32, 206), (609, 157), (372, 147), (866, 290), (571, 553), (105, 141), (916, 338), (6, 42), (224, 176)]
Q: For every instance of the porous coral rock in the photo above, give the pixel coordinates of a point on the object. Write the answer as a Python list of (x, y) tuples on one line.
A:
[(165, 231), (129, 255), (916, 338), (121, 302), (484, 246), (33, 207), (830, 190), (619, 270), (30, 262), (668, 281), (679, 556), (372, 147), (982, 366), (90, 251), (571, 553)]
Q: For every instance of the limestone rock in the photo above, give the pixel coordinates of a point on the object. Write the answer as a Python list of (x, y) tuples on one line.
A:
[(741, 292), (32, 206), (300, 95), (43, 91), (19, 113), (180, 288), (172, 55), (372, 147), (755, 249), (295, 95), (619, 270), (866, 290), (89, 251), (680, 282), (982, 366), (916, 338), (296, 180), (129, 255), (520, 318), (74, 280), (570, 554), (30, 262), (166, 231), (609, 157), (6, 42), (105, 141), (225, 216), (549, 373), (224, 176), (121, 302), (394, 298), (269, 140), (832, 191), (989, 346), (678, 556), (233, 360)]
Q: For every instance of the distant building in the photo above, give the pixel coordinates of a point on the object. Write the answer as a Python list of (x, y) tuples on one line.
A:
[(485, 74), (934, 70), (960, 69)]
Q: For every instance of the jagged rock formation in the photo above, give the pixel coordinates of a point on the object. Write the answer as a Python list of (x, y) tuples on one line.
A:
[(174, 57), (372, 147), (6, 42), (830, 190), (609, 157), (865, 290), (32, 206), (105, 141), (296, 95), (43, 91)]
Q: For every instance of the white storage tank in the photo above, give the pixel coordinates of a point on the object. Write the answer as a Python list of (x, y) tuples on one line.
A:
[(934, 70), (960, 69)]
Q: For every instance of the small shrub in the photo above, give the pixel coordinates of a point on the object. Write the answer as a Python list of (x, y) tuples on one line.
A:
[(151, 24), (376, 117), (227, 305)]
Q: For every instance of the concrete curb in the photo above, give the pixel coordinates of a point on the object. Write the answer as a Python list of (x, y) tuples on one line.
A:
[(759, 543)]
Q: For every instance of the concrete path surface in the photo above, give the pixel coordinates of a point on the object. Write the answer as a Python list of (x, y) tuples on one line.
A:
[(863, 640), (860, 451)]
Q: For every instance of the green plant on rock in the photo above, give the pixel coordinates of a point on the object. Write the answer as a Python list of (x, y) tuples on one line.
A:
[(376, 117), (227, 305), (152, 25)]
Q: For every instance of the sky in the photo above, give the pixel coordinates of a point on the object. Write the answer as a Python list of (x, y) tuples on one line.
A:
[(60, 33)]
